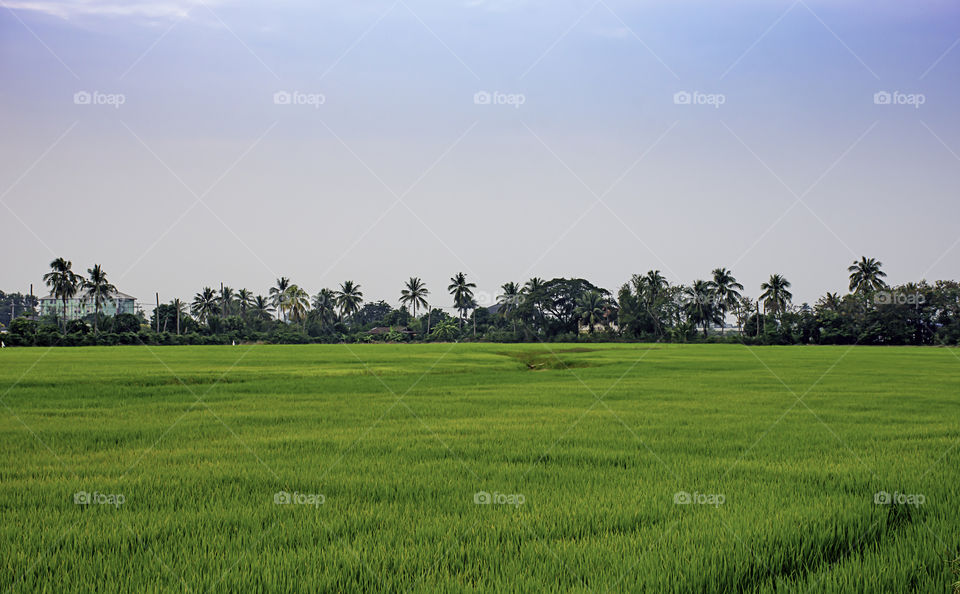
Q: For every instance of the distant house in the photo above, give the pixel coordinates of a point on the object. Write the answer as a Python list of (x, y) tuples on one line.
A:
[(609, 323), (82, 306)]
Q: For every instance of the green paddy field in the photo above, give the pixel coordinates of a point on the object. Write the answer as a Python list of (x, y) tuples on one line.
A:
[(480, 467)]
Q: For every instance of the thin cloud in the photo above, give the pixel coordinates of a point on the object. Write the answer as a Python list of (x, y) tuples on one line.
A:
[(68, 9)]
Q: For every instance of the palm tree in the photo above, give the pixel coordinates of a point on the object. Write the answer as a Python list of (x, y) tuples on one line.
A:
[(178, 308), (473, 305), (276, 294), (349, 298), (532, 289), (726, 289), (324, 307), (99, 289), (414, 295), (63, 283), (592, 309), (462, 292), (656, 282), (830, 302), (205, 305), (700, 301), (509, 300), (261, 308), (245, 301), (776, 295), (650, 289), (226, 300), (296, 302), (866, 276)]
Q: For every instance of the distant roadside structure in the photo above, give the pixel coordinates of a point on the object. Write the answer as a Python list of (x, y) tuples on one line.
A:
[(82, 306)]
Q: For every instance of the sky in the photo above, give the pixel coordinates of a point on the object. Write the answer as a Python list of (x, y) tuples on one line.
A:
[(183, 144)]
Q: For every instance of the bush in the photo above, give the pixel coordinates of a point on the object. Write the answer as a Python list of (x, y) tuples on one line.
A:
[(23, 332)]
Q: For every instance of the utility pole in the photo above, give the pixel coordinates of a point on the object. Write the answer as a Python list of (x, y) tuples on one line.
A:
[(157, 313)]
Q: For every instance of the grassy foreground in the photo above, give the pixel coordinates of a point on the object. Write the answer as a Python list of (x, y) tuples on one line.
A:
[(658, 468)]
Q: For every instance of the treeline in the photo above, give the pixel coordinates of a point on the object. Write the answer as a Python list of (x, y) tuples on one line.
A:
[(647, 308)]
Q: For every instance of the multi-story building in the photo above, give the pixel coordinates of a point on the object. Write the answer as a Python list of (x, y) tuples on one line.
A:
[(82, 305)]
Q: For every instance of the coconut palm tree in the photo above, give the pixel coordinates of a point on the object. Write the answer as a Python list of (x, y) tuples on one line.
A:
[(830, 302), (297, 303), (701, 304), (726, 289), (532, 289), (592, 309), (866, 276), (509, 300), (261, 308), (462, 293), (205, 305), (414, 295), (472, 306), (651, 290), (99, 289), (276, 294), (325, 307), (776, 294), (245, 301), (63, 283), (349, 298), (226, 300), (178, 308)]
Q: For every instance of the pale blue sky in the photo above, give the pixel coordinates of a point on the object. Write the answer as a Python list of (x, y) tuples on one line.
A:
[(400, 173)]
